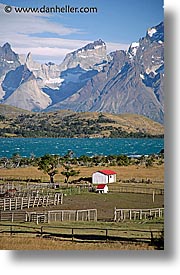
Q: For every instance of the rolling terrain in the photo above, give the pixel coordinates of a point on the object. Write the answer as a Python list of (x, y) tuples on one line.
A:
[(15, 122)]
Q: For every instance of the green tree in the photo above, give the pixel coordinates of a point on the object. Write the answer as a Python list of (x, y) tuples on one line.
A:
[(16, 159), (69, 172), (48, 164)]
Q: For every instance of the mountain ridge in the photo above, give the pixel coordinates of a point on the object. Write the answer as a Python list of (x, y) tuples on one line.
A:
[(89, 79)]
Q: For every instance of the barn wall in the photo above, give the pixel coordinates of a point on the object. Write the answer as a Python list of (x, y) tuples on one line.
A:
[(112, 178), (99, 178)]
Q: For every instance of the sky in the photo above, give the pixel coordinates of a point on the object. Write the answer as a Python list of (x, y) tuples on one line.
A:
[(49, 36)]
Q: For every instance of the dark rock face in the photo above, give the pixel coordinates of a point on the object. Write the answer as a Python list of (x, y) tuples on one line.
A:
[(15, 78)]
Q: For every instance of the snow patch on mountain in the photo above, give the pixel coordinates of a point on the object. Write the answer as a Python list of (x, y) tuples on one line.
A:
[(151, 31)]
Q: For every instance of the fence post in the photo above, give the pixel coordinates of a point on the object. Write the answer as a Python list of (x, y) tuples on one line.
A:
[(4, 204), (72, 234), (153, 196), (26, 217), (10, 200), (11, 230), (88, 215), (130, 214), (62, 216), (16, 203), (95, 215), (77, 215), (22, 203), (140, 217), (115, 214), (159, 212), (12, 217), (55, 199), (29, 198), (41, 230), (106, 234), (61, 198)]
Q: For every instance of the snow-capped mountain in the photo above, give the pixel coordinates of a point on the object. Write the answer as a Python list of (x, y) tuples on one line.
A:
[(89, 79), (132, 82)]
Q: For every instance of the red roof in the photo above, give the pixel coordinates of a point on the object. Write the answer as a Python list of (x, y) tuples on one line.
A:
[(107, 172), (101, 186)]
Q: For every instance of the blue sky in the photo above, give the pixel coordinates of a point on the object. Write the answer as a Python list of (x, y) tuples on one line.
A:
[(49, 36)]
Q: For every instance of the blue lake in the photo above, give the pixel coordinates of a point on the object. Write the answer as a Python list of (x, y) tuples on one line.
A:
[(80, 146)]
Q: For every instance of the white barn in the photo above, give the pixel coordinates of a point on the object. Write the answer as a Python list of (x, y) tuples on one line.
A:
[(104, 176)]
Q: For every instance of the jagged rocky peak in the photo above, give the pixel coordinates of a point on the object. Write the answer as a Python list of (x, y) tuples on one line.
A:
[(93, 46), (7, 54), (156, 33), (133, 49), (9, 60), (6, 46), (30, 63), (88, 57), (29, 57)]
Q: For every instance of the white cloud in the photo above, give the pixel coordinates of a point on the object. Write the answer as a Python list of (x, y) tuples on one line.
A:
[(22, 32), (31, 23)]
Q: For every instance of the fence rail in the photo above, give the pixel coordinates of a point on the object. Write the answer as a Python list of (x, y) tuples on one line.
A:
[(72, 215), (137, 214), (16, 203), (49, 216), (87, 233), (138, 190)]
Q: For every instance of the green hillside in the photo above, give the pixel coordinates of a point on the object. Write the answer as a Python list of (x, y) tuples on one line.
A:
[(20, 123)]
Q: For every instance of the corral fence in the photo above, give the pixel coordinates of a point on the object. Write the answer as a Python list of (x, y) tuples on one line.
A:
[(24, 190), (137, 214), (72, 215), (49, 216), (91, 234), (13, 216), (23, 187), (137, 190), (16, 203)]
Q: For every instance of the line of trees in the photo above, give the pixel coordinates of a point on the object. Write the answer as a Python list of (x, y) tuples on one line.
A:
[(49, 164)]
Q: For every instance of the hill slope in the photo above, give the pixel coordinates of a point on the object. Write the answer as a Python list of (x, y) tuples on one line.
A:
[(20, 123)]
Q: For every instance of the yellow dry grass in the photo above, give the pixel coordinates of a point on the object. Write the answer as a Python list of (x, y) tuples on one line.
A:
[(32, 243), (155, 173)]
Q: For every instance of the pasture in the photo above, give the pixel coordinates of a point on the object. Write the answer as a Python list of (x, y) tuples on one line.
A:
[(105, 203), (137, 194), (154, 173)]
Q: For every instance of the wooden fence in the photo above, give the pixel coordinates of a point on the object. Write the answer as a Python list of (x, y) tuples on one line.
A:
[(16, 203), (63, 215), (72, 215), (13, 216), (91, 234), (137, 190), (49, 216), (137, 214)]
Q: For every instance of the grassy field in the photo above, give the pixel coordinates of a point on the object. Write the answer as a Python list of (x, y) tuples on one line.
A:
[(104, 203), (29, 243), (155, 173), (42, 240)]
